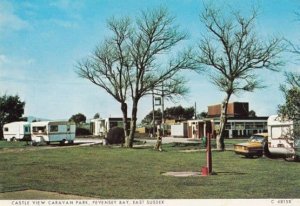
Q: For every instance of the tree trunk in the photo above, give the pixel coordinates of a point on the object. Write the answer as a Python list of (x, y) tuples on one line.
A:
[(130, 138), (125, 117), (223, 121)]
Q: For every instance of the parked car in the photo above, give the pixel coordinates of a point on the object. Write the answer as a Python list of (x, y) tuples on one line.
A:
[(256, 146)]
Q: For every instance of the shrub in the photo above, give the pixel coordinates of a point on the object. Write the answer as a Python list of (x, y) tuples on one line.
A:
[(82, 131), (116, 136)]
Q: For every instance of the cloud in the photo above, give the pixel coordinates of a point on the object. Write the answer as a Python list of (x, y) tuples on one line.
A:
[(67, 4), (3, 59), (13, 68), (9, 20), (64, 23), (70, 7)]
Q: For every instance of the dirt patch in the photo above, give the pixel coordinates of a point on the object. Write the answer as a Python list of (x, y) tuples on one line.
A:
[(182, 174), (203, 150), (37, 194), (192, 150)]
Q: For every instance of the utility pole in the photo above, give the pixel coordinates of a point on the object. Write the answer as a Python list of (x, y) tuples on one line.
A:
[(195, 111), (162, 108), (153, 120)]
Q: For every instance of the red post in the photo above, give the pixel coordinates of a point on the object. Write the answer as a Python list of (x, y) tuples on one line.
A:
[(208, 154)]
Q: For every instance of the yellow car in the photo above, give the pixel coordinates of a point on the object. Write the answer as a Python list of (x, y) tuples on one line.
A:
[(255, 146)]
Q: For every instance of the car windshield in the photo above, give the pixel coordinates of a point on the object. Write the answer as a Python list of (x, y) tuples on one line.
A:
[(256, 138)]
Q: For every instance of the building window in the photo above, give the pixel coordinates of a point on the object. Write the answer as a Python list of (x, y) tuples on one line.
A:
[(228, 126), (259, 125), (249, 125), (239, 126)]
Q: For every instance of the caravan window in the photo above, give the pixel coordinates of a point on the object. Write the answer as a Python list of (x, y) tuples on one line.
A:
[(280, 132), (54, 128), (39, 129), (5, 129), (26, 129)]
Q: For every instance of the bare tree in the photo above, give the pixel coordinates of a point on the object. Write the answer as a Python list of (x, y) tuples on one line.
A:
[(155, 35), (291, 89), (108, 65), (133, 62), (232, 52)]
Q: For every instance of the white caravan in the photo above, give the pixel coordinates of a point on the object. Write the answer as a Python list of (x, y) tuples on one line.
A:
[(179, 130), (16, 131), (52, 131), (283, 137), (101, 126)]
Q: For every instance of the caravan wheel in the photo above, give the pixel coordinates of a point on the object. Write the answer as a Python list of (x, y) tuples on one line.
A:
[(62, 142), (71, 142), (295, 158), (13, 139), (291, 158)]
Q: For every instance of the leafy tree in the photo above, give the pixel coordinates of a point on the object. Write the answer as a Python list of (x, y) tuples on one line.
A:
[(149, 117), (252, 113), (97, 116), (78, 118), (11, 109), (178, 113), (291, 108), (291, 91), (202, 115), (232, 53)]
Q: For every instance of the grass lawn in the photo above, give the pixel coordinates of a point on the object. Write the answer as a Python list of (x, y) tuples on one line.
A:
[(110, 172), (17, 144)]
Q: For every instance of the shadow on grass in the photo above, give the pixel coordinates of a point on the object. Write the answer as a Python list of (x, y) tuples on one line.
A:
[(66, 145), (230, 173)]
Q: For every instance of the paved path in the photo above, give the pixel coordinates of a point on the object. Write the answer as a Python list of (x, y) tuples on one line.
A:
[(88, 140), (166, 140)]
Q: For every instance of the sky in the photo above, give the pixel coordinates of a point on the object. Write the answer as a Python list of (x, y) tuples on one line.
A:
[(41, 41)]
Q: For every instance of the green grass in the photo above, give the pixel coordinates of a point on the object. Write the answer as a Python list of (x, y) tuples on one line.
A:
[(17, 144), (109, 172)]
